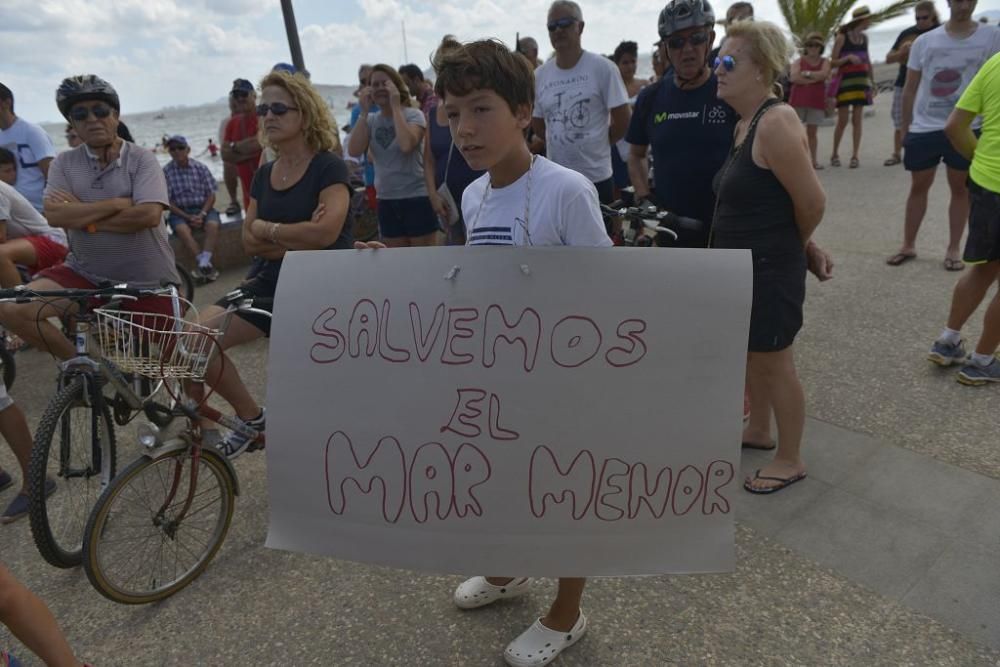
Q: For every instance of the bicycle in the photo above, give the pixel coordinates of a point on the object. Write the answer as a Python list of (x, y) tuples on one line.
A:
[(135, 544), (669, 229), (75, 438)]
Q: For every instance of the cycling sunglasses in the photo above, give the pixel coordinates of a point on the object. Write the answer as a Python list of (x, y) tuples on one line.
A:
[(277, 108), (726, 61), (80, 114), (696, 39), (561, 23)]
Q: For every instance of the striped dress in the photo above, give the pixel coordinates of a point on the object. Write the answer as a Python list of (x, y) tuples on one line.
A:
[(855, 78)]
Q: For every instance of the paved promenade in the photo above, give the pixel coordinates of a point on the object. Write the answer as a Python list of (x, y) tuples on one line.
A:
[(888, 554)]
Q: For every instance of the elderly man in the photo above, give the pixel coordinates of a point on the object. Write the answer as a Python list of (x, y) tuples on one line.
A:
[(30, 144), (581, 105), (191, 189), (109, 195)]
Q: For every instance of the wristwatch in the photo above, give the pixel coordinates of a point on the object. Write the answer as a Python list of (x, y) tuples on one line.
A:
[(232, 145)]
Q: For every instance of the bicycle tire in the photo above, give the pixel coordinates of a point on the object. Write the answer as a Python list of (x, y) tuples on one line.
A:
[(123, 502), (57, 522), (186, 287), (9, 372)]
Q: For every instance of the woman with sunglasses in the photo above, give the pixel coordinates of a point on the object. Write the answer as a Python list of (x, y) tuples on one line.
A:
[(395, 137), (770, 201), (808, 97), (298, 202), (855, 89)]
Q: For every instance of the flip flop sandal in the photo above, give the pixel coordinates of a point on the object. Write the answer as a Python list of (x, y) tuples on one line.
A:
[(835, 161), (892, 162), (855, 163), (783, 482), (899, 259), (538, 645), (753, 445), (953, 264), (477, 592)]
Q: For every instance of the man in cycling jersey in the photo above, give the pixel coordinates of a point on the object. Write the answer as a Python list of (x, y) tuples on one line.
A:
[(109, 196)]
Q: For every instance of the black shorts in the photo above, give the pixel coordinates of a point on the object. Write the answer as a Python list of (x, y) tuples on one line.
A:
[(779, 290), (606, 189), (256, 286), (925, 150), (410, 217), (983, 244)]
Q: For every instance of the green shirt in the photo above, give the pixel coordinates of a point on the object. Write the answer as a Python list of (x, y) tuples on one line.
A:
[(983, 97)]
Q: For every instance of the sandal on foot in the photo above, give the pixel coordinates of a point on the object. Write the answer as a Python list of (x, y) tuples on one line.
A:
[(783, 482), (953, 264), (233, 209), (754, 445), (892, 161), (477, 592), (538, 645), (854, 163), (900, 258), (818, 167), (835, 161)]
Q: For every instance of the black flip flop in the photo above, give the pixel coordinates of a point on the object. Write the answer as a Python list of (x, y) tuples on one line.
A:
[(753, 445), (784, 483), (899, 259)]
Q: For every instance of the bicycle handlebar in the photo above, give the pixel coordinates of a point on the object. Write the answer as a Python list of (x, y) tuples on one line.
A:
[(22, 294)]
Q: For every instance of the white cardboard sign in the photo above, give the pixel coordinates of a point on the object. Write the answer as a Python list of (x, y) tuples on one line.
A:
[(528, 411)]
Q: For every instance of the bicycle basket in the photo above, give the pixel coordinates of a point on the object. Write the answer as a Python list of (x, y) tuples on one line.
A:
[(154, 345)]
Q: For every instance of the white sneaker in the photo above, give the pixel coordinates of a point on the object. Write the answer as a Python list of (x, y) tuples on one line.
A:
[(477, 592), (539, 645)]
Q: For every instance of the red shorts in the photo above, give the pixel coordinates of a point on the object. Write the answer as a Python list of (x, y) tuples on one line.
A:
[(47, 252), (67, 277)]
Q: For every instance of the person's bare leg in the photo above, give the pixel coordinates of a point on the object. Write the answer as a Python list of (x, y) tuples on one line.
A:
[(777, 371), (916, 207), (32, 623), (758, 428), (857, 118), (30, 320), (229, 177), (565, 609), (222, 374), (897, 143), (14, 428), (13, 252), (969, 292), (187, 238), (958, 211), (989, 341), (432, 239), (812, 135), (838, 131), (211, 235)]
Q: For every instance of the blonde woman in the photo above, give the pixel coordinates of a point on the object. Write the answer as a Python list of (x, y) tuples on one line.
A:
[(770, 201), (298, 202), (395, 137)]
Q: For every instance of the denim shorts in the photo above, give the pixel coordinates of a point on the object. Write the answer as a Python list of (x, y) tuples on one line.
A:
[(410, 217), (175, 220)]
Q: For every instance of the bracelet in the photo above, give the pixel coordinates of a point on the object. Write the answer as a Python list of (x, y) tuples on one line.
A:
[(274, 232)]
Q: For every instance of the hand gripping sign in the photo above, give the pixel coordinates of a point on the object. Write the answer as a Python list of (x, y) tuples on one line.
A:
[(536, 411)]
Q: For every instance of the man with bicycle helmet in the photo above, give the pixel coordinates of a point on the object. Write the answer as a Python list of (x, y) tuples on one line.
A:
[(109, 196), (688, 128)]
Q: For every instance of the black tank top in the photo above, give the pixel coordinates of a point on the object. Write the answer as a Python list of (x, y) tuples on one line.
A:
[(754, 209)]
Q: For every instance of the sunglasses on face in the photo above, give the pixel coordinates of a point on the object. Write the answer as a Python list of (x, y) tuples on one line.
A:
[(727, 62), (923, 18), (277, 108), (175, 148), (696, 39), (80, 114), (561, 23), (240, 94)]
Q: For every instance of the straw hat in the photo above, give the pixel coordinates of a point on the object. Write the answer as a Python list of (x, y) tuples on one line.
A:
[(814, 38), (858, 15)]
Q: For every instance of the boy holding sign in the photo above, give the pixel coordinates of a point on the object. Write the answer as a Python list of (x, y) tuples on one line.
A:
[(488, 92)]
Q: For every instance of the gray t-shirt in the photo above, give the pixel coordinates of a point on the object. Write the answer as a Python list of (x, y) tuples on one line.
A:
[(398, 175), (22, 219), (144, 258)]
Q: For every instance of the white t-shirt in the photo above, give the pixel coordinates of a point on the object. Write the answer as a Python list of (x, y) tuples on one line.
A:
[(562, 210), (30, 144), (576, 104), (947, 66), (22, 219)]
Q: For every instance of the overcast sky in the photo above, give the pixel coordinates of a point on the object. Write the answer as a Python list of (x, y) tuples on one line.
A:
[(165, 52)]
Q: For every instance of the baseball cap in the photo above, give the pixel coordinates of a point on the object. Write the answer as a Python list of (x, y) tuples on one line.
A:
[(242, 84), (177, 140)]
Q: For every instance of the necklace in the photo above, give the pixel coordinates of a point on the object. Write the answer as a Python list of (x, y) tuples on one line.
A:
[(527, 202), (292, 165)]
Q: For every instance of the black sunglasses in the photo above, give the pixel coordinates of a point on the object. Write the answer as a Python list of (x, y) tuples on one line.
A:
[(726, 61), (923, 18), (240, 94), (176, 147), (277, 108), (561, 23), (82, 113), (695, 39)]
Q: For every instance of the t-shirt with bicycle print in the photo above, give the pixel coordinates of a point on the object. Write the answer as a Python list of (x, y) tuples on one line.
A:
[(560, 209), (575, 104)]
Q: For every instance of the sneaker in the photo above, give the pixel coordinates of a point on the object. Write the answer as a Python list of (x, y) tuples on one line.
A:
[(946, 354), (208, 273), (18, 507), (975, 375), (235, 443)]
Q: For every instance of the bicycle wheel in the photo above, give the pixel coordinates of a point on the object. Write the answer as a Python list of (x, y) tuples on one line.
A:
[(75, 448), (137, 547), (9, 367), (186, 288)]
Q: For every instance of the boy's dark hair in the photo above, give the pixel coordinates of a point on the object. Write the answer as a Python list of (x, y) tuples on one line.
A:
[(485, 65), (6, 94), (412, 71), (623, 49), (6, 157)]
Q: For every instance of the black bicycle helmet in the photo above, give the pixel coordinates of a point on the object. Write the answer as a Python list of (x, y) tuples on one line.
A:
[(683, 14), (82, 88)]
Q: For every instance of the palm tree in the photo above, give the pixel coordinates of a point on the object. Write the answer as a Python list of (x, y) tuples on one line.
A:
[(825, 16)]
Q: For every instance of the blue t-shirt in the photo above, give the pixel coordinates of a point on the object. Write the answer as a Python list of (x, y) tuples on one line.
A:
[(689, 133)]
